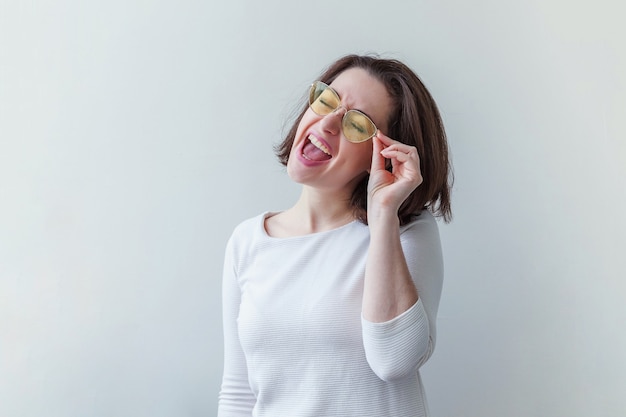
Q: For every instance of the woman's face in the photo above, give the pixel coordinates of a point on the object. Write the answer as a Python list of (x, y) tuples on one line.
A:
[(321, 156)]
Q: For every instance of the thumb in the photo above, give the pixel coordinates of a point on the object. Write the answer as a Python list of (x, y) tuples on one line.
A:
[(378, 161)]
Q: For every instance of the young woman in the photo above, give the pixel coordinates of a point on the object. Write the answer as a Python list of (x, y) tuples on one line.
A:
[(330, 305)]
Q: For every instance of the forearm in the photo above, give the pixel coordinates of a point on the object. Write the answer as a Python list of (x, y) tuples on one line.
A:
[(389, 289), (398, 346)]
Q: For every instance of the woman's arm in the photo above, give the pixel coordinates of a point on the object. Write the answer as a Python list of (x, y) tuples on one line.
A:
[(389, 289), (396, 348), (236, 398), (398, 325)]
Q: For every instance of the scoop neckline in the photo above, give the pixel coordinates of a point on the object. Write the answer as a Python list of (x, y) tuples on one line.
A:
[(269, 214)]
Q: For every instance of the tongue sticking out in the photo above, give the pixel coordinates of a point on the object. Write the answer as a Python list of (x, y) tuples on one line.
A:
[(311, 152)]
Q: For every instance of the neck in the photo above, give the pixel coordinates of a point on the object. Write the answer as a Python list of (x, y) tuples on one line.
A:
[(319, 211)]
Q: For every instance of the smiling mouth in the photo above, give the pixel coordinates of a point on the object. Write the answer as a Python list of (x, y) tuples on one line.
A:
[(314, 150)]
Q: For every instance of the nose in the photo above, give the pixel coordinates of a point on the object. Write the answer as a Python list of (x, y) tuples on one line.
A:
[(331, 123)]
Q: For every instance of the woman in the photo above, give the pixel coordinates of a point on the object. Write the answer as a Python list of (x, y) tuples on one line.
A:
[(330, 306)]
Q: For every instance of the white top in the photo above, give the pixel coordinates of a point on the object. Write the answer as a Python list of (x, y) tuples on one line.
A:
[(295, 343)]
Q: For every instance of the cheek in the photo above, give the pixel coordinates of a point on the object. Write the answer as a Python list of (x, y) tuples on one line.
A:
[(365, 155), (304, 123), (307, 120)]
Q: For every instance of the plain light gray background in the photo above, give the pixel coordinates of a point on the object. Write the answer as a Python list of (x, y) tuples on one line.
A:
[(134, 135)]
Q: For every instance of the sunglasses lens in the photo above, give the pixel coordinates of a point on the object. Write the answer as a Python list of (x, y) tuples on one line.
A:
[(357, 127), (322, 99)]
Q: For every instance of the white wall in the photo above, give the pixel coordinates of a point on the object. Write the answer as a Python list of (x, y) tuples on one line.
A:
[(135, 135)]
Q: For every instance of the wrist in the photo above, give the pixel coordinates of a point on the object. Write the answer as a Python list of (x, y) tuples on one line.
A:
[(382, 217)]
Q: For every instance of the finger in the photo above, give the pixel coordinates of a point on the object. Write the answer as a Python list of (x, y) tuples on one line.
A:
[(396, 154), (391, 144), (378, 160), (409, 150), (386, 140), (404, 156)]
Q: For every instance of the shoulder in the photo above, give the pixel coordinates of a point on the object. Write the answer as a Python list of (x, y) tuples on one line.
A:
[(422, 248), (421, 231), (247, 233), (250, 225), (424, 221)]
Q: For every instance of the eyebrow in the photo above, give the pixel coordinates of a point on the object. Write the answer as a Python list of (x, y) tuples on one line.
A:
[(359, 110)]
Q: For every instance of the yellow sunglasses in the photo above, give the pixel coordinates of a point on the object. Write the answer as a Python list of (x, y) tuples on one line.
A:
[(355, 125)]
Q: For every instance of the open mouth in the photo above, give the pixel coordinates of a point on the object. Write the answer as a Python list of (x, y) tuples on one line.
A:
[(314, 150)]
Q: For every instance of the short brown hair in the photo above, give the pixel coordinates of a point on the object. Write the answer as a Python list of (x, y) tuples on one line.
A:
[(414, 120)]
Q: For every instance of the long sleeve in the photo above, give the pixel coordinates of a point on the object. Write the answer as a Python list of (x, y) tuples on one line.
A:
[(236, 399), (397, 348)]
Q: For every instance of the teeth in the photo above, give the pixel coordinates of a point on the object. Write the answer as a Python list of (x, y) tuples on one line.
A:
[(319, 144)]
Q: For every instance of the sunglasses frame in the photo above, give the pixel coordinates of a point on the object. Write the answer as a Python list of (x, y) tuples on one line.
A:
[(314, 87)]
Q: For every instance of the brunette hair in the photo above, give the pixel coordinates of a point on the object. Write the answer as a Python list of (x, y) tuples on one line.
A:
[(414, 120)]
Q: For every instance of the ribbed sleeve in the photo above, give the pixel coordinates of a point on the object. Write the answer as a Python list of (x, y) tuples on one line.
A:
[(236, 398), (395, 349)]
